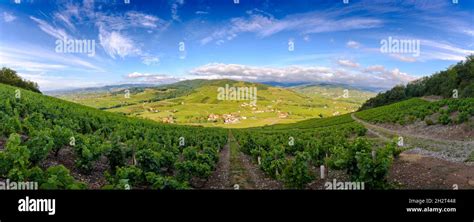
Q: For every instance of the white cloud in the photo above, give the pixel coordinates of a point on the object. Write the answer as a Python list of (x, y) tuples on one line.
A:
[(135, 75), (30, 65), (113, 35), (374, 68), (353, 44), (8, 17), (264, 24), (446, 46), (131, 19), (67, 14), (137, 19), (434, 50), (152, 78), (382, 78), (30, 58), (65, 20), (469, 32), (116, 44), (50, 30), (347, 63), (150, 60)]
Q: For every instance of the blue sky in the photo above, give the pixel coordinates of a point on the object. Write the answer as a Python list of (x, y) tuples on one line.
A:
[(139, 42)]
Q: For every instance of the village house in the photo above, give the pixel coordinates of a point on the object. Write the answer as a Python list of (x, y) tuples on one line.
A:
[(283, 115), (229, 119), (213, 117), (169, 119)]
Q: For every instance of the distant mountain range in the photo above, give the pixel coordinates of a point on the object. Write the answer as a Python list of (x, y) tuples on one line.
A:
[(98, 89), (119, 87), (340, 85)]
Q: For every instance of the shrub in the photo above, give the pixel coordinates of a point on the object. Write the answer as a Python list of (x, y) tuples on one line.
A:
[(58, 177), (360, 145), (39, 145), (10, 125), (88, 149), (296, 173), (62, 137), (131, 174), (444, 119), (164, 183), (155, 161), (188, 169), (116, 155), (373, 171), (273, 162), (17, 158), (339, 157)]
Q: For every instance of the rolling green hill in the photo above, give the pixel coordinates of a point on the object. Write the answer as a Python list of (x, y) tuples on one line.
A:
[(196, 102), (63, 145), (330, 91)]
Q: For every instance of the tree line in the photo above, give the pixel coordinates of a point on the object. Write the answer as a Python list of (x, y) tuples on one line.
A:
[(10, 77), (458, 79)]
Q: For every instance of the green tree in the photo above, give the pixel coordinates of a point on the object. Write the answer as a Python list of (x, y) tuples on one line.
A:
[(10, 77)]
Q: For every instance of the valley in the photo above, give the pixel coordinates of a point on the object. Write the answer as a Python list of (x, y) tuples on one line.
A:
[(196, 102)]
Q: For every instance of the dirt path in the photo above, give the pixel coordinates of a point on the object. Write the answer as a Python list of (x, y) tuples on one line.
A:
[(220, 179), (450, 150), (235, 170), (370, 128), (418, 168), (259, 179), (245, 173), (376, 129)]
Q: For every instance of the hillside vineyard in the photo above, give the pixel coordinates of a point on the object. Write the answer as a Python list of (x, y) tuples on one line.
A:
[(131, 153)]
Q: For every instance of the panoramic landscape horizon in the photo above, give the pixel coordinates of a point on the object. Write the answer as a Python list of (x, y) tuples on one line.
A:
[(207, 95)]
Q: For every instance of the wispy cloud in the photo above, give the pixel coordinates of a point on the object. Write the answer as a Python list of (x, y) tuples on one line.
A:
[(31, 58), (8, 17), (57, 33), (68, 15), (264, 24), (374, 68), (116, 44), (113, 35), (348, 63), (353, 44), (143, 20)]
